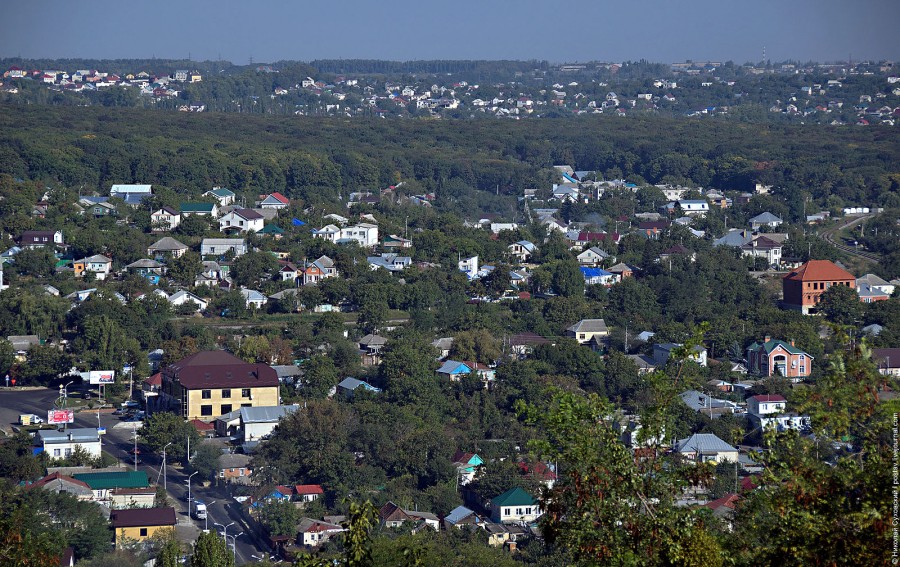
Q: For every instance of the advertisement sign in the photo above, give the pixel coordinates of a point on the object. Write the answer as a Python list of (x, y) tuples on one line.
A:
[(102, 376), (58, 417)]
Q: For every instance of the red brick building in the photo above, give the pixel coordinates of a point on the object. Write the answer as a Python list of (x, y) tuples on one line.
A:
[(803, 287)]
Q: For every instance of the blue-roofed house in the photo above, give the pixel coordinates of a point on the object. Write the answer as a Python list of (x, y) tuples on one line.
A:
[(466, 465), (461, 516), (254, 298), (766, 219), (348, 387), (224, 196), (597, 276), (453, 369)]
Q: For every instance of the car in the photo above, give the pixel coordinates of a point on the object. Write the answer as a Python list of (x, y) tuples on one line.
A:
[(131, 404)]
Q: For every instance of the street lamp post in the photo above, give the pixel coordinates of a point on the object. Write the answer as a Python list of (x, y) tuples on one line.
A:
[(224, 529), (233, 545), (208, 510), (165, 466), (189, 491)]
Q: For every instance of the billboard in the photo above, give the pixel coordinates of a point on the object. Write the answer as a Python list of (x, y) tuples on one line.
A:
[(102, 376), (56, 417)]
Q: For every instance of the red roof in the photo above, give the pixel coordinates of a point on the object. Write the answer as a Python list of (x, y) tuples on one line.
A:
[(219, 369), (538, 470), (727, 501), (818, 270), (286, 490), (280, 197), (768, 398), (462, 457), (749, 483), (302, 489), (57, 476), (155, 380), (202, 426)]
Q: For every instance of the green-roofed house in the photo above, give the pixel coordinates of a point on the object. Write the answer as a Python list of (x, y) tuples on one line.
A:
[(271, 230), (513, 506), (104, 483), (204, 209), (774, 357)]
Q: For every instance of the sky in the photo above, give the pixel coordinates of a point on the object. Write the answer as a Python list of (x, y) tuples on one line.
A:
[(554, 30)]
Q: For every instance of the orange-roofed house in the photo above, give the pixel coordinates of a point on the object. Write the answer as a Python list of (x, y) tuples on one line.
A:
[(803, 287)]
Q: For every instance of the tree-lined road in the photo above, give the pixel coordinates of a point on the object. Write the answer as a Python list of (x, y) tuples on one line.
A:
[(829, 237)]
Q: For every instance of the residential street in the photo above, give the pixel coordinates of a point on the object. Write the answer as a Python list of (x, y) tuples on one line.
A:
[(118, 441)]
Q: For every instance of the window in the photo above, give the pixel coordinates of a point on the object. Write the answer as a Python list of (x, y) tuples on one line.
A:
[(518, 511), (246, 405), (68, 452), (226, 408), (206, 410), (245, 393), (226, 393), (802, 357), (802, 369), (242, 472), (222, 474), (56, 452), (206, 394), (143, 532)]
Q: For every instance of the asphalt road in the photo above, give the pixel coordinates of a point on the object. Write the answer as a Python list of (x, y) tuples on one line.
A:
[(118, 441)]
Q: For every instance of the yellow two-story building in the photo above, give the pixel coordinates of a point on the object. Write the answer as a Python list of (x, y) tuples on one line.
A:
[(209, 384), (138, 524)]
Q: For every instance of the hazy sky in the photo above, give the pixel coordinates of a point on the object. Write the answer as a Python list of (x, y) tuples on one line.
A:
[(558, 31)]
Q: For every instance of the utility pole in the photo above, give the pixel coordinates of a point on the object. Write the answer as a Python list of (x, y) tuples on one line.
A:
[(165, 466)]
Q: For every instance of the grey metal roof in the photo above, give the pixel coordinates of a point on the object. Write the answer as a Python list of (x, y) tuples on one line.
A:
[(765, 218), (699, 401), (457, 514), (265, 414), (78, 435), (286, 370), (589, 326), (703, 443), (167, 243)]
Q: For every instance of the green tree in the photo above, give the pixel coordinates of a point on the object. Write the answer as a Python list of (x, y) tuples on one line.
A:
[(477, 345), (253, 267), (280, 517), (164, 427), (319, 377), (45, 363), (841, 305), (17, 460), (211, 551), (35, 262), (169, 554), (185, 268), (206, 460), (566, 278)]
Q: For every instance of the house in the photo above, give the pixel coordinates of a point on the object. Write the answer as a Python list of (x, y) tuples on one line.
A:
[(705, 447), (597, 276), (201, 209), (542, 472), (273, 230), (371, 347), (223, 196), (662, 352), (586, 329), (694, 207), (96, 206), (140, 497), (461, 516), (254, 299), (234, 468), (723, 508), (522, 250), (348, 386), (622, 271), (241, 220), (653, 229), (513, 506), (466, 466), (453, 370), (393, 516), (769, 411), (182, 297), (765, 219), (98, 264), (58, 482), (321, 268), (774, 357), (708, 405), (258, 422), (364, 234), (139, 524), (222, 246), (803, 287), (644, 363), (592, 257), (208, 384), (21, 344), (166, 246), (40, 238), (61, 444), (870, 294), (103, 484), (763, 247), (306, 493), (165, 219), (483, 371), (392, 242), (131, 192), (313, 533), (876, 283), (274, 201), (675, 251), (146, 268), (469, 266), (389, 261), (523, 344), (887, 360)]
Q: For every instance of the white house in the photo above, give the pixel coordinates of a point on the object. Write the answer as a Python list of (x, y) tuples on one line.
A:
[(259, 422), (220, 246), (122, 191), (513, 506), (165, 219), (241, 220), (592, 257), (274, 201), (61, 444), (706, 447), (766, 404), (766, 219), (313, 533), (254, 298), (694, 207), (469, 266), (365, 234), (181, 297), (224, 196), (521, 250), (99, 264)]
